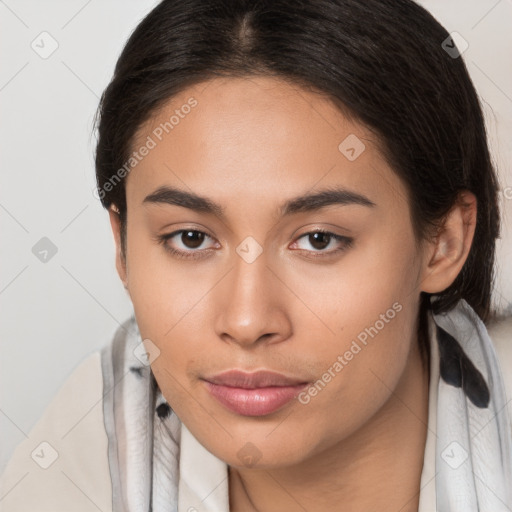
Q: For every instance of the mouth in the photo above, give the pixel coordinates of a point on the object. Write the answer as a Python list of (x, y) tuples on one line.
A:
[(253, 394)]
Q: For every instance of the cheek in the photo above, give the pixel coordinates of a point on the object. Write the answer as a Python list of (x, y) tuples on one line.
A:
[(170, 309), (349, 296), (360, 371), (370, 308), (160, 291)]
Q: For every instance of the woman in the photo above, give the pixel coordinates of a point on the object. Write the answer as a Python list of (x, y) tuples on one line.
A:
[(305, 215)]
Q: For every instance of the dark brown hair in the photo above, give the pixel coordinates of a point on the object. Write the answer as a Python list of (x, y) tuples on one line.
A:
[(383, 62)]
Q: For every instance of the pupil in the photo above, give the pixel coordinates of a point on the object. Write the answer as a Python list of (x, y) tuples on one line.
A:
[(193, 239), (316, 236)]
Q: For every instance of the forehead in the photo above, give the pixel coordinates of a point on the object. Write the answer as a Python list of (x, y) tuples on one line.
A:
[(247, 138)]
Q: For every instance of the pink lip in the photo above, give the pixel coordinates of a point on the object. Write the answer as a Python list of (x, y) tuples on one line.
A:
[(253, 394)]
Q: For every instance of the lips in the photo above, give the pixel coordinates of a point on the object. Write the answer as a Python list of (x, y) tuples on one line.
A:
[(259, 379), (253, 394)]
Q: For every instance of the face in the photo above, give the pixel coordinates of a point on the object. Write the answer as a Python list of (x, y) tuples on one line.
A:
[(323, 292)]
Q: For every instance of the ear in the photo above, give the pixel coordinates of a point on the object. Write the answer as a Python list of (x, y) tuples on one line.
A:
[(448, 252), (115, 223)]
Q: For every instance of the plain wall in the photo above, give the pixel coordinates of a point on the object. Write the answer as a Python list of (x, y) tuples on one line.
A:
[(55, 313)]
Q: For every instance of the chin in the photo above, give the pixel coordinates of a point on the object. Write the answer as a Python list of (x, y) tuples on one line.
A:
[(262, 450)]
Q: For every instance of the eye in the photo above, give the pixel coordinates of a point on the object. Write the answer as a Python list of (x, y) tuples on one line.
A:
[(321, 240), (187, 241)]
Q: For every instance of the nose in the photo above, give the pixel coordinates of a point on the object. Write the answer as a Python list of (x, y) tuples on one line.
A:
[(250, 305)]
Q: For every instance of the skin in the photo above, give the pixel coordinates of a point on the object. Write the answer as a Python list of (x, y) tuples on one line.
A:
[(250, 144)]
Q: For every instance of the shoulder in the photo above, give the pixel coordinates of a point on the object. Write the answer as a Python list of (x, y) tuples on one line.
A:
[(500, 332), (63, 463)]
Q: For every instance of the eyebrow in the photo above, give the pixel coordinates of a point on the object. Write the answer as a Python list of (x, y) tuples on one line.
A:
[(304, 203)]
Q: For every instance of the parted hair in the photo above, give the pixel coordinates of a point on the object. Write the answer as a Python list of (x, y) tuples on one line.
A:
[(384, 63)]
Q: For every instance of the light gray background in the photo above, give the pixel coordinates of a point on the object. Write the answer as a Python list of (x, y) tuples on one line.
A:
[(55, 313)]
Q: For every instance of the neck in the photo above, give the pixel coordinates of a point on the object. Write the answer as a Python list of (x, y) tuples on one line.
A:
[(376, 468)]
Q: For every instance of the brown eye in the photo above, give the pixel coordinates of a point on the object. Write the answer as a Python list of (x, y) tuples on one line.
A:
[(186, 243), (319, 240), (192, 239)]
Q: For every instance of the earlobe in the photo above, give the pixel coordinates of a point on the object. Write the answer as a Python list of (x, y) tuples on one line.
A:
[(115, 223), (449, 251)]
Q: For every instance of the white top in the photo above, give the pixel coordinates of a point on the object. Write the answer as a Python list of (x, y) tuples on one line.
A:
[(63, 464)]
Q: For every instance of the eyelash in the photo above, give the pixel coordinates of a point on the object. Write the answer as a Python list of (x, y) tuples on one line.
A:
[(162, 239)]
